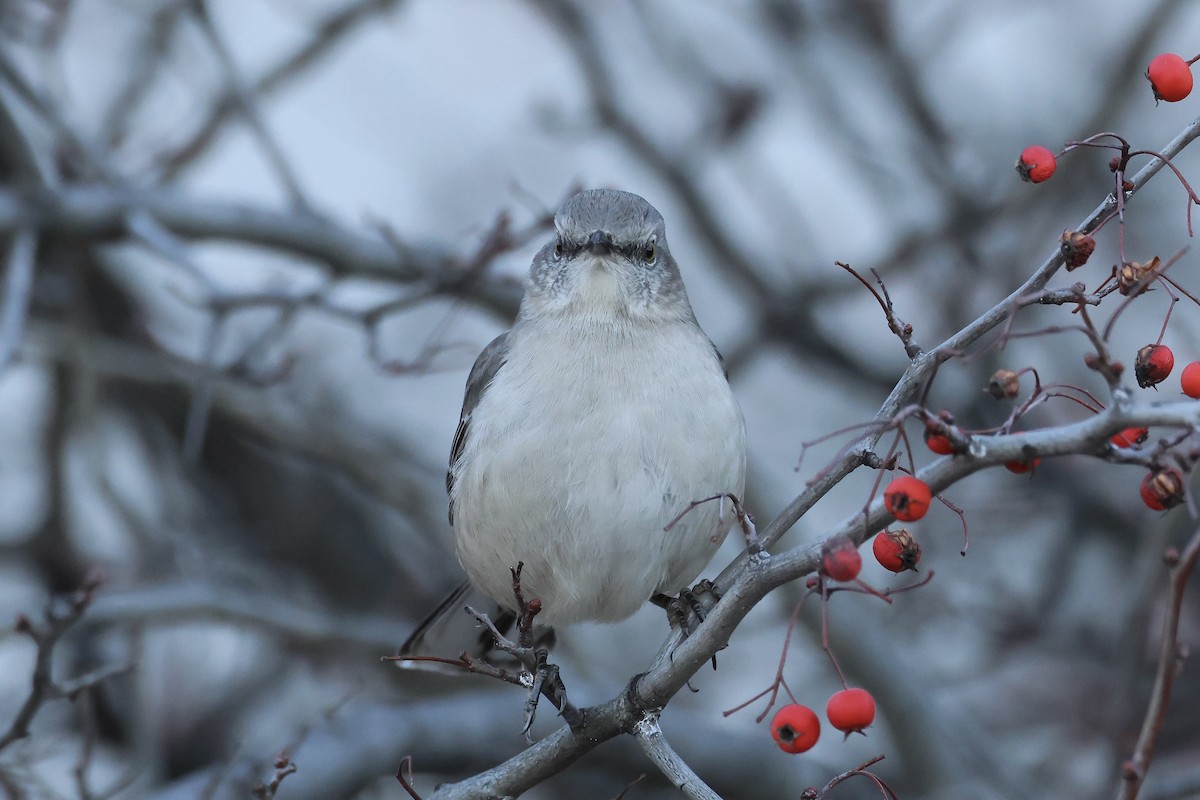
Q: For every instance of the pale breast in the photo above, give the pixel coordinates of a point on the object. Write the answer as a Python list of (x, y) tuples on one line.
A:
[(576, 460)]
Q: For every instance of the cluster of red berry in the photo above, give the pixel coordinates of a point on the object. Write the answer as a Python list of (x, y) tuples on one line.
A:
[(1170, 79), (796, 727), (1154, 364), (907, 498), (1163, 487)]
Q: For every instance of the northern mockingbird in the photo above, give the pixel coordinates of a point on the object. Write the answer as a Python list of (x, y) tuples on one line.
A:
[(592, 424)]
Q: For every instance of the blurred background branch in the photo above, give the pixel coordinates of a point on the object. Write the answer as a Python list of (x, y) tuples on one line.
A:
[(251, 249)]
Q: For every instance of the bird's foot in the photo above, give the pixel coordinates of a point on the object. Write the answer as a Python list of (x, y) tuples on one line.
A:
[(537, 674), (688, 610)]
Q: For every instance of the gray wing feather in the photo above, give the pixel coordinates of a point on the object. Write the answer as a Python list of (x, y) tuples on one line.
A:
[(486, 366)]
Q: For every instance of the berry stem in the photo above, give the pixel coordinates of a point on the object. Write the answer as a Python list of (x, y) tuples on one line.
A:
[(825, 635)]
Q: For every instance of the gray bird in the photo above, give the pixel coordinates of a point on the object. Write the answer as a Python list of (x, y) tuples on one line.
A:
[(590, 425)]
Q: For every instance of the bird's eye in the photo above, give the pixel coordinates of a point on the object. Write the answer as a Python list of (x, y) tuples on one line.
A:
[(558, 249), (649, 252)]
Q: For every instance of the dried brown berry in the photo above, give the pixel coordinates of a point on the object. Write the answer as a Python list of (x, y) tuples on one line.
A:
[(1004, 384), (1076, 248), (1133, 274)]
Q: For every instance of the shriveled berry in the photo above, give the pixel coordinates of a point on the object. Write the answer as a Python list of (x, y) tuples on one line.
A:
[(851, 710), (907, 498), (1189, 379), (840, 560), (896, 550), (795, 728), (1153, 364), (1036, 164), (1004, 384), (1134, 277), (1130, 437), (1170, 77), (1076, 249), (1162, 488)]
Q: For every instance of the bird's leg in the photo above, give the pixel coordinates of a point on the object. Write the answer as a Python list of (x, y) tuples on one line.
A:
[(538, 675), (526, 611)]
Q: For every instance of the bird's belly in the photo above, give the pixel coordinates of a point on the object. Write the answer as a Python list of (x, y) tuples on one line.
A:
[(579, 478)]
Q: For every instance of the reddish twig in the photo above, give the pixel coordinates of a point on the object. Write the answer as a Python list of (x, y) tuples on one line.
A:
[(812, 793), (1171, 655), (902, 329), (405, 775)]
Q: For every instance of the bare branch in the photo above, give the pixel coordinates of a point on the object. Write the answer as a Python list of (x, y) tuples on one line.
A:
[(58, 618), (650, 736), (248, 104), (18, 283)]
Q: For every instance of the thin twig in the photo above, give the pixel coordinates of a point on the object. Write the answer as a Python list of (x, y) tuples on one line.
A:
[(328, 34), (1170, 658), (248, 103), (59, 616)]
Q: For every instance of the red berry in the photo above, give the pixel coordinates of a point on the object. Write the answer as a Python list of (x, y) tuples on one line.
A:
[(1189, 379), (1170, 77), (851, 710), (1153, 364), (1036, 164), (1162, 488), (935, 437), (840, 560), (1022, 466), (907, 498), (896, 550), (939, 443), (1130, 437), (795, 728)]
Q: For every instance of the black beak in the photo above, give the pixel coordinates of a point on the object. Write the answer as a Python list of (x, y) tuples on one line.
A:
[(599, 242)]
